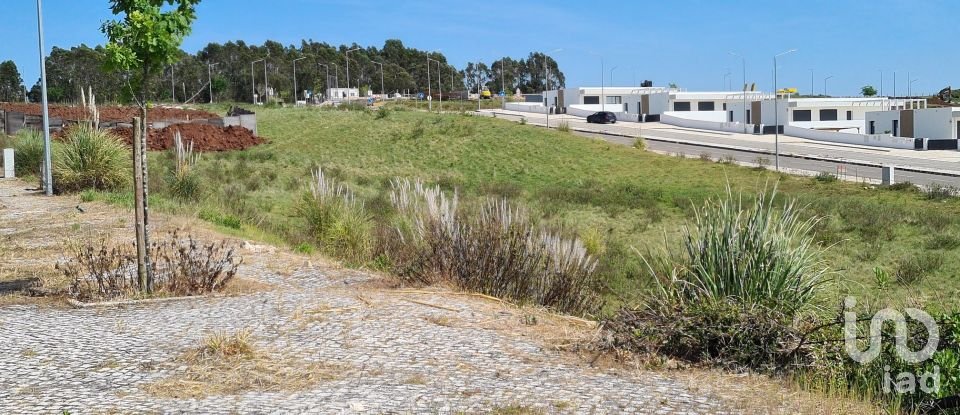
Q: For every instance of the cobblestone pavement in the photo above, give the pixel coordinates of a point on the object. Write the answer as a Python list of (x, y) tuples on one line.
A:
[(399, 351)]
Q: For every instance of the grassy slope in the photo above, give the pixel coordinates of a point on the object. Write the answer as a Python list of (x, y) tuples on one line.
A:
[(616, 195)]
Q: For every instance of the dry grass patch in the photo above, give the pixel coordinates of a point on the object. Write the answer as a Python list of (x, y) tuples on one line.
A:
[(231, 363)]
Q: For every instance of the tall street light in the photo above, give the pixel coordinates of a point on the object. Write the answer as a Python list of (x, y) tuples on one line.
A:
[(811, 83), (266, 83), (347, 55), (743, 91), (825, 84), (336, 75), (47, 164), (295, 78), (253, 80), (611, 75), (723, 84), (210, 79), (910, 87), (776, 109), (382, 92), (326, 81), (429, 91)]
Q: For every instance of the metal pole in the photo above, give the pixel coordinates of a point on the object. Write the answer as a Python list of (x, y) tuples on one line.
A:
[(173, 87), (881, 83), (266, 83), (546, 88), (47, 163), (479, 93), (743, 91), (603, 101), (611, 74), (776, 109), (347, 57), (295, 78), (210, 79), (440, 86), (429, 92), (825, 84), (811, 83), (253, 79)]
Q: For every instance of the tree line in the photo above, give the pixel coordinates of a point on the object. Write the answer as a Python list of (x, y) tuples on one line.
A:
[(232, 75)]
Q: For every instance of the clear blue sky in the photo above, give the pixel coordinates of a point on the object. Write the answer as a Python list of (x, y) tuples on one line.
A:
[(684, 42)]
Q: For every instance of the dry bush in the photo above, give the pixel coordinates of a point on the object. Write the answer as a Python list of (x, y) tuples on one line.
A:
[(181, 266), (496, 250), (230, 363)]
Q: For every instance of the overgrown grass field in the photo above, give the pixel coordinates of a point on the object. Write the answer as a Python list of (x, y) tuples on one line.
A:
[(886, 245)]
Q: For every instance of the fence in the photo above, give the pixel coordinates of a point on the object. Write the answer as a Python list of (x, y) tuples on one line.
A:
[(875, 140), (669, 117)]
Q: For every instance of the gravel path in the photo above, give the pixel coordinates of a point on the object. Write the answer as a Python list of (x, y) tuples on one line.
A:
[(397, 351)]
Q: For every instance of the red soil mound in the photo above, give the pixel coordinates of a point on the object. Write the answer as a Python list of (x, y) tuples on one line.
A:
[(108, 113), (205, 137)]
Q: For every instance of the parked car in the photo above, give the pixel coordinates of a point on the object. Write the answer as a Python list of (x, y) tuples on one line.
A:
[(602, 117)]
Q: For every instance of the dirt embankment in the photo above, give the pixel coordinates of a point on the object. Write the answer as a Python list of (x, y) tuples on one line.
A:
[(205, 137), (108, 113)]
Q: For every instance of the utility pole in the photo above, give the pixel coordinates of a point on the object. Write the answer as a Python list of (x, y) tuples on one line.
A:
[(429, 92), (173, 86), (776, 109), (347, 56), (743, 92), (479, 92), (295, 78), (381, 80), (47, 164), (210, 79), (326, 81), (253, 79), (266, 82)]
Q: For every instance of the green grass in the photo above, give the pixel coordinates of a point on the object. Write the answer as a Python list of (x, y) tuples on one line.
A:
[(620, 197)]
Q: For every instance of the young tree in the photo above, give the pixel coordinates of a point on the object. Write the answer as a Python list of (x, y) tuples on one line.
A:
[(11, 85), (140, 45), (868, 91)]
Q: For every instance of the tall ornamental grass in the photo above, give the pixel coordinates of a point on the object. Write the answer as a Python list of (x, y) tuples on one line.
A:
[(91, 158), (751, 252)]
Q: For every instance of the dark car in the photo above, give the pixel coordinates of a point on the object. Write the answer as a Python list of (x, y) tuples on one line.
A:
[(602, 117)]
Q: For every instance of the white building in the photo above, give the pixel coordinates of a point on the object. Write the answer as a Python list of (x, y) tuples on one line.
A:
[(833, 114), (340, 94), (936, 123)]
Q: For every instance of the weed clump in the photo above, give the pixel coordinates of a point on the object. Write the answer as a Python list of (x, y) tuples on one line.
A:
[(91, 158), (181, 266)]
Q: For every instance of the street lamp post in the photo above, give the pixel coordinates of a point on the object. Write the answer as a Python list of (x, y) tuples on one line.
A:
[(811, 84), (295, 78), (347, 55), (776, 109), (429, 87), (336, 75), (503, 85), (173, 86), (440, 87), (743, 91), (382, 92), (611, 75), (210, 79), (253, 80), (47, 163), (266, 83), (326, 81), (910, 87), (825, 84)]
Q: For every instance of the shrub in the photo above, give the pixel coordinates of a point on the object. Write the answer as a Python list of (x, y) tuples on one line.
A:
[(755, 255), (761, 162), (939, 191), (181, 266), (825, 177), (28, 152), (184, 183), (639, 143), (523, 121), (943, 241), (382, 113), (903, 187), (706, 156), (496, 250), (91, 159), (335, 219), (721, 332), (912, 271), (563, 127)]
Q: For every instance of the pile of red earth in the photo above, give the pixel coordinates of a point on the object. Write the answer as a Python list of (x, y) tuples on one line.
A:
[(205, 137), (107, 113)]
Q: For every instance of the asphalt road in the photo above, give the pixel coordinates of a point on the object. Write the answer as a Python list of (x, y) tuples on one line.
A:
[(844, 161)]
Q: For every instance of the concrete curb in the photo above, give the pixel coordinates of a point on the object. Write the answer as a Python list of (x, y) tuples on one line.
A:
[(938, 172)]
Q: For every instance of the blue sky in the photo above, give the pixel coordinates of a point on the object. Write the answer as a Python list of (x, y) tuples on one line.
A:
[(684, 42)]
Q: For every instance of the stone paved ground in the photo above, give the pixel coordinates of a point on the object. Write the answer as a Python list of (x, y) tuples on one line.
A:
[(396, 351)]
